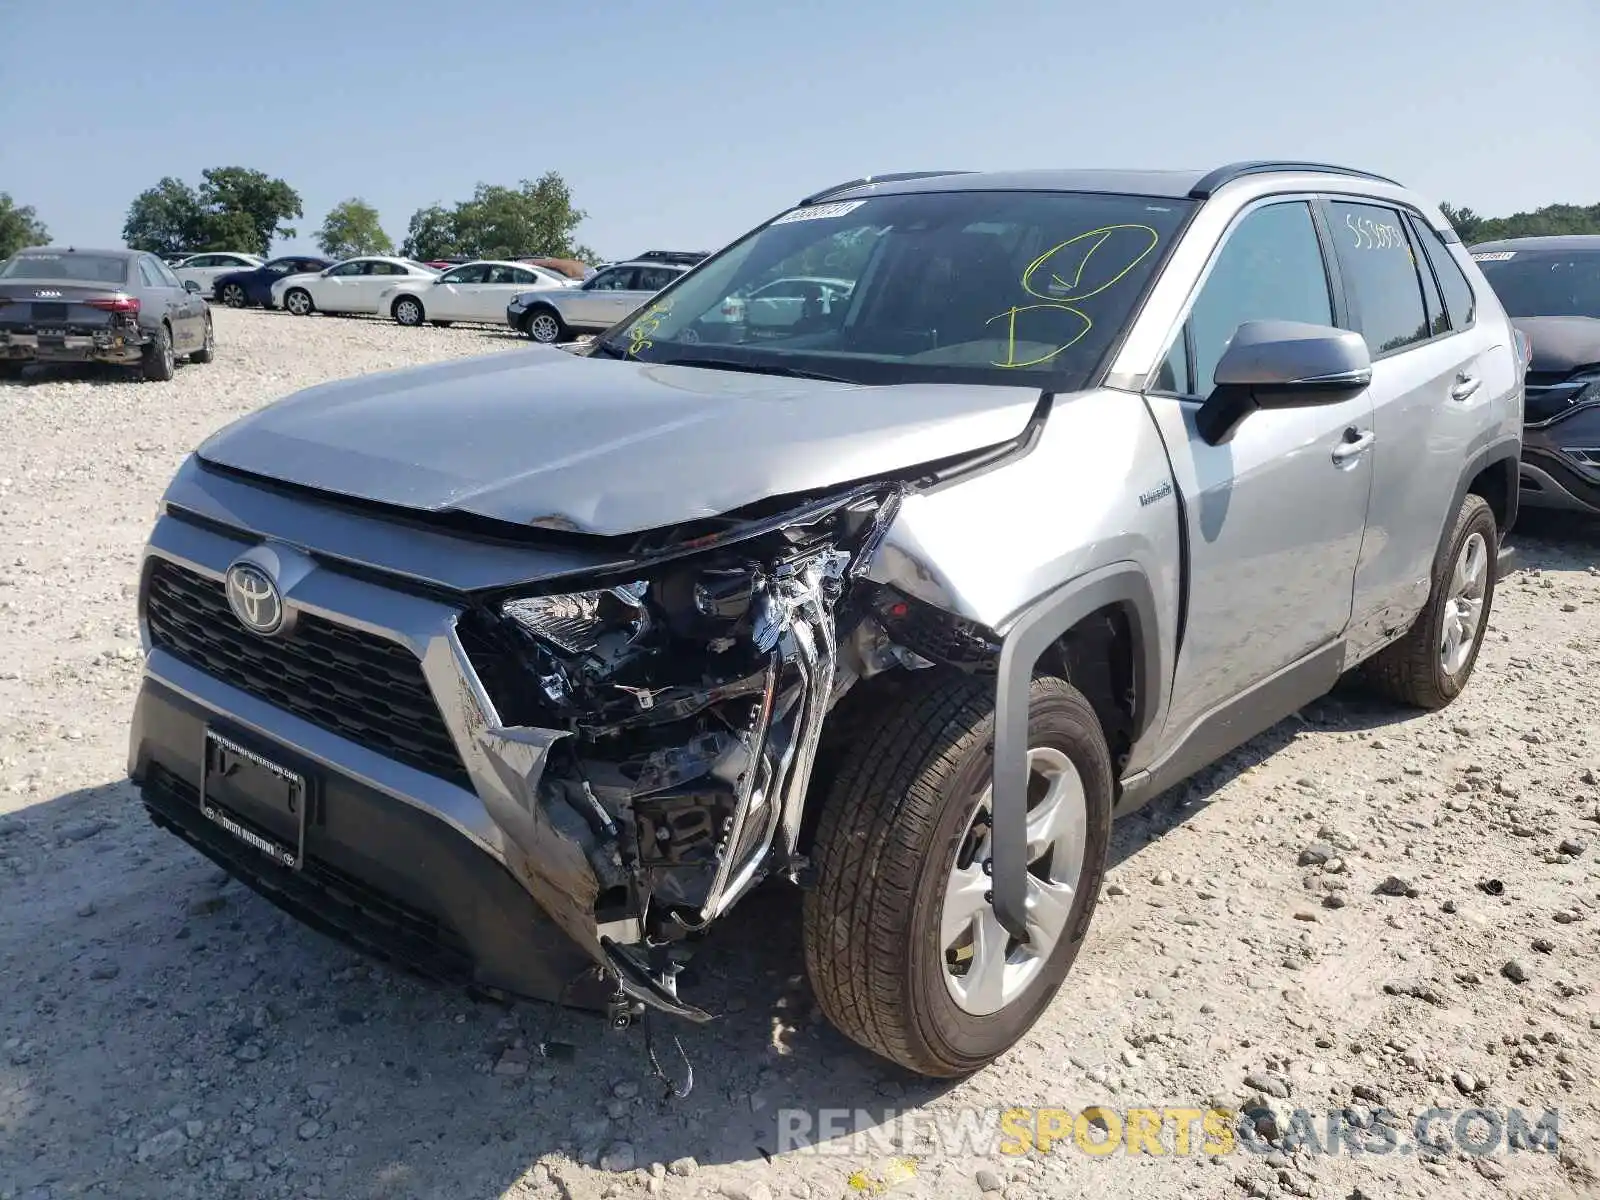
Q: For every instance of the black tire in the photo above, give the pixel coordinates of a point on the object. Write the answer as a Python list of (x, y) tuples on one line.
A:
[(544, 325), (443, 324), (408, 311), (208, 348), (297, 296), (896, 813), (1412, 670), (11, 369), (233, 295), (159, 363)]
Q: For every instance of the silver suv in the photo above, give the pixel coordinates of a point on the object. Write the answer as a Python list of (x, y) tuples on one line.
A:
[(523, 670), (602, 300)]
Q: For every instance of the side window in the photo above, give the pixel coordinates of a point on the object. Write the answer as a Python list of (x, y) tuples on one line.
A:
[(344, 270), (1459, 299), (474, 274), (504, 275), (149, 274), (1438, 319), (1269, 269), (1380, 275), (653, 279), (1172, 377), (202, 260), (618, 280)]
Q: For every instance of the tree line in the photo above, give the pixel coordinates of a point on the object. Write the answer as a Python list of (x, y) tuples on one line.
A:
[(237, 208)]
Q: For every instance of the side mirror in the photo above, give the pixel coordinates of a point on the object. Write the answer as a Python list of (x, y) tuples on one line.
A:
[(190, 285), (1282, 364)]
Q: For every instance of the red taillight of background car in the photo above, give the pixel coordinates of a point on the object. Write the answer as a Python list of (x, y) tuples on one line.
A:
[(116, 304)]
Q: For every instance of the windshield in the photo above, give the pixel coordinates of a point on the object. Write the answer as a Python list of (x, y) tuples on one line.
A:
[(85, 268), (978, 286), (1544, 283)]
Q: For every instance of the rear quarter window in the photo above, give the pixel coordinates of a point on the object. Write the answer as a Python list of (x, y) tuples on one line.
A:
[(1460, 301)]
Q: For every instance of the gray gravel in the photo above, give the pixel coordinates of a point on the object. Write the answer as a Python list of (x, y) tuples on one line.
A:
[(165, 1033)]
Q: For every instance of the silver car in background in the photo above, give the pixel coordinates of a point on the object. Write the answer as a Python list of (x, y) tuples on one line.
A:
[(598, 303)]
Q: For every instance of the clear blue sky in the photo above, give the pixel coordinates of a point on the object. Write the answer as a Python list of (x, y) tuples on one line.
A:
[(683, 124)]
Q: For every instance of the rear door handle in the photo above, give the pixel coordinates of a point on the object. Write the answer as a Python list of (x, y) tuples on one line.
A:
[(1465, 385), (1352, 446)]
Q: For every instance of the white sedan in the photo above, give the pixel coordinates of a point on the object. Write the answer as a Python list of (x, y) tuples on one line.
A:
[(205, 268), (352, 286), (475, 291)]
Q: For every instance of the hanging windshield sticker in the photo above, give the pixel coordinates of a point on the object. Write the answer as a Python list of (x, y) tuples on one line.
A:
[(1497, 256), (820, 212)]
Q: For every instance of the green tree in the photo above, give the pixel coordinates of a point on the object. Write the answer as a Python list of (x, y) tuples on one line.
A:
[(431, 234), (165, 219), (230, 192), (1465, 221), (19, 226), (235, 208), (1551, 219), (537, 217), (352, 228)]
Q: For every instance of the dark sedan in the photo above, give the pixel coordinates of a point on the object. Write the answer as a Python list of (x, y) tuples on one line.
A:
[(1550, 287), (126, 307), (253, 288)]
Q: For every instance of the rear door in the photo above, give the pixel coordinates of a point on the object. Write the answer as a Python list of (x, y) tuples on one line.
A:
[(188, 308), (1429, 396), (1274, 515), (375, 276)]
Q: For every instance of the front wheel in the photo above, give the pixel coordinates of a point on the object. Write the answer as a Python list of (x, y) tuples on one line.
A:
[(233, 295), (298, 301), (407, 310), (902, 944), (544, 325), (1430, 666)]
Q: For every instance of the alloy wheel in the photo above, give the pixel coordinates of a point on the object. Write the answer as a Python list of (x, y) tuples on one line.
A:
[(1463, 612)]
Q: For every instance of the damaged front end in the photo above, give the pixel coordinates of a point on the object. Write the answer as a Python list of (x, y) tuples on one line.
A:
[(662, 725)]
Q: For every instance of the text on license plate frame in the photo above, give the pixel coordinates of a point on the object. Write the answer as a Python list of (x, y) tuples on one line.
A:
[(221, 751)]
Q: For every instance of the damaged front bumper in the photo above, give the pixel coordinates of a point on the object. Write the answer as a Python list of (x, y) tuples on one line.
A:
[(564, 859)]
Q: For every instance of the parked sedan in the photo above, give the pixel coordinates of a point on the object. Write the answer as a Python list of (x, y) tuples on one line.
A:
[(598, 303), (205, 269), (253, 286), (61, 304), (352, 286), (475, 291)]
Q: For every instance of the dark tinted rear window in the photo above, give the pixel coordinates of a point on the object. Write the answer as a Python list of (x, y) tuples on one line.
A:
[(1544, 283), (84, 268)]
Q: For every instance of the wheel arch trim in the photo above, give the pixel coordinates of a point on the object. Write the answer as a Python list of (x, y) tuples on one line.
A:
[(1023, 642)]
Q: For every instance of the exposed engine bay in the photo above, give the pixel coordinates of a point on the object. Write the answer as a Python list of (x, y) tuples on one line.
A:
[(692, 701)]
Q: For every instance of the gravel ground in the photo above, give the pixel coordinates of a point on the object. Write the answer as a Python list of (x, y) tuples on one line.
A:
[(1362, 909)]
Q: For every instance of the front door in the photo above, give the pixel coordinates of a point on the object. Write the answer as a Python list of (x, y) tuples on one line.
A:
[(1274, 516), (603, 300)]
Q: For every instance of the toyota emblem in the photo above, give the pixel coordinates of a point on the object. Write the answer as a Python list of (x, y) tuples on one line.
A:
[(254, 598)]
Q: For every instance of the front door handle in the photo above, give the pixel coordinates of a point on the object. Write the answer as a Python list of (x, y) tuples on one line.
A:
[(1353, 445), (1464, 386)]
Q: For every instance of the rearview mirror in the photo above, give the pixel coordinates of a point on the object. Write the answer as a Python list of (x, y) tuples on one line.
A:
[(1282, 364), (190, 285)]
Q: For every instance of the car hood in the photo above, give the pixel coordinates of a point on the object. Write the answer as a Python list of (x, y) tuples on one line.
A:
[(1561, 344), (553, 440)]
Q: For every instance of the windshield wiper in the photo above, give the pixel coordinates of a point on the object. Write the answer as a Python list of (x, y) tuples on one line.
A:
[(728, 364), (606, 349)]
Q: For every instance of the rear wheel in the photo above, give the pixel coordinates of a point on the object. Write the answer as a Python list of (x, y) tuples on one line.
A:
[(159, 362), (902, 943), (208, 348), (233, 295), (544, 325), (1431, 665), (298, 301), (407, 310)]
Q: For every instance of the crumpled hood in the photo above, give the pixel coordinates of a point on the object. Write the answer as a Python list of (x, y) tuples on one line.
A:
[(546, 438), (1561, 344)]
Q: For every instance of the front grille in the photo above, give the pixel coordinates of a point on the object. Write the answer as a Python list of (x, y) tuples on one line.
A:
[(350, 683), (322, 896)]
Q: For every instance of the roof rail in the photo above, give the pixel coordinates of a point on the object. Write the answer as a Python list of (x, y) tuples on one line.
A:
[(896, 177), (1212, 181)]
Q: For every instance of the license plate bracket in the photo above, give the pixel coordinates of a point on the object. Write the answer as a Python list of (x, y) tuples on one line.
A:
[(260, 802)]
